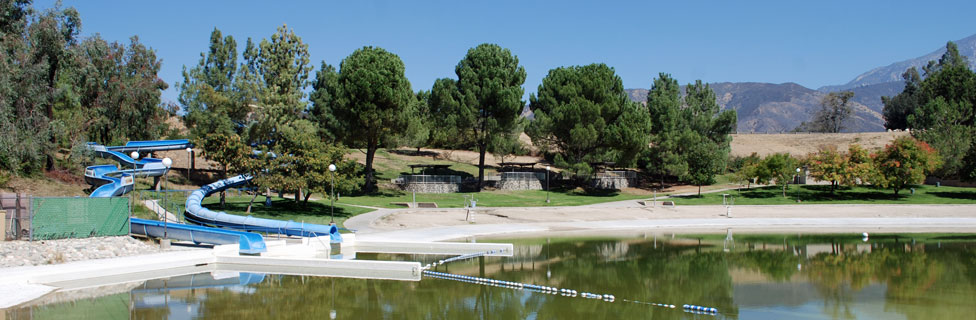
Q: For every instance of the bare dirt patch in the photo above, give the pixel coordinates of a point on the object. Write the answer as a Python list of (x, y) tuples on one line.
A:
[(804, 143), (43, 186)]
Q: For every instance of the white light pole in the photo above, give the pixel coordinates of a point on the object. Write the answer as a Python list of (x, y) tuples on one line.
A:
[(547, 184), (189, 160), (332, 168), (167, 162), (135, 156), (798, 184)]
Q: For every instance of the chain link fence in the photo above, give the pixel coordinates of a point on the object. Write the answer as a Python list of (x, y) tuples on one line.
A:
[(427, 178), (60, 218)]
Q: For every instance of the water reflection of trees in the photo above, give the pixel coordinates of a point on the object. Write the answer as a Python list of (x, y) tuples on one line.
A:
[(920, 281)]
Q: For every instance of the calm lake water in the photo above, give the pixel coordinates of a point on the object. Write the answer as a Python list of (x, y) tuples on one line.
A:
[(748, 277)]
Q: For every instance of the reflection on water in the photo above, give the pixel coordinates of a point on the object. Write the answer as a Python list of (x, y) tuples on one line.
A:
[(744, 276)]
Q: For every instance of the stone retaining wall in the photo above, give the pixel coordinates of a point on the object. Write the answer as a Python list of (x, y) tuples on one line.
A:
[(610, 183), (432, 187), (521, 184)]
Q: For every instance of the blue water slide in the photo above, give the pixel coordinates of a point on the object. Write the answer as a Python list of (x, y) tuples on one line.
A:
[(249, 242), (115, 181), (196, 213)]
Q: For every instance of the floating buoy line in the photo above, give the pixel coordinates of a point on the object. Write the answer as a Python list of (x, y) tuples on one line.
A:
[(696, 309)]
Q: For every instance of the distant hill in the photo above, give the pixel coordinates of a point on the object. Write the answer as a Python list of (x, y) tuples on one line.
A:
[(892, 72), (775, 108)]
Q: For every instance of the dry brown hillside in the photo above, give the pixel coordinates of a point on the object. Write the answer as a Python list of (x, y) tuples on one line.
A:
[(804, 143)]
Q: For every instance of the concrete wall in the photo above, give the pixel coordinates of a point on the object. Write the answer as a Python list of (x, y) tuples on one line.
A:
[(432, 187)]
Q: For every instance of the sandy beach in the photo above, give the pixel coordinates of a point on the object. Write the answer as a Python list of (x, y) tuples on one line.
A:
[(634, 217)]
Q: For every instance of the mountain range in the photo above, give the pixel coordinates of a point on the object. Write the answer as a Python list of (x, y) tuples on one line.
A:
[(771, 108)]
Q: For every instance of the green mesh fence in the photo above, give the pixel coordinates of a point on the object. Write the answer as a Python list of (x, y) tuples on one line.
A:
[(59, 218)]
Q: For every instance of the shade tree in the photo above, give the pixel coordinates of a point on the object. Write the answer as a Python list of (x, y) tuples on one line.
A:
[(367, 103), (583, 115), (485, 101)]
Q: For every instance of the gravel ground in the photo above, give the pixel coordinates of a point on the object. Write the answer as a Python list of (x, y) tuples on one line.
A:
[(26, 253)]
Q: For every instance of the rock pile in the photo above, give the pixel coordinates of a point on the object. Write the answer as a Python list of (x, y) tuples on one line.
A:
[(28, 253)]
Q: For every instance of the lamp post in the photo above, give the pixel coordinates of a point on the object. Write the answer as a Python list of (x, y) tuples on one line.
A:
[(135, 156), (167, 162), (332, 168), (547, 184), (798, 184), (189, 160)]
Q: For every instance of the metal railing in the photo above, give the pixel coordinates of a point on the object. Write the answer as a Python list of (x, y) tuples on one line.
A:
[(523, 176), (172, 201), (626, 174), (427, 178)]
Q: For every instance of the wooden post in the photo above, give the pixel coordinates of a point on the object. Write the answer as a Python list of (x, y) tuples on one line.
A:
[(3, 225), (17, 218)]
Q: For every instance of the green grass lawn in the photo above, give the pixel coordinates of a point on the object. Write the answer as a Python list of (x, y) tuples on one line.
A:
[(820, 194), (529, 198), (317, 212)]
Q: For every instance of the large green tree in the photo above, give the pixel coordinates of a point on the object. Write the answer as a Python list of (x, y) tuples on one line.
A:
[(367, 103), (486, 100), (215, 114), (208, 94), (945, 113), (897, 108), (691, 136), (583, 114), (275, 75), (664, 103), (121, 87)]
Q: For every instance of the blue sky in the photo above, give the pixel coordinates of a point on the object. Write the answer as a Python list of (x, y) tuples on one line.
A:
[(813, 43)]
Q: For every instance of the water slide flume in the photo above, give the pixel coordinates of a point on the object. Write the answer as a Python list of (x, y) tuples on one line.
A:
[(196, 213), (250, 243), (115, 181)]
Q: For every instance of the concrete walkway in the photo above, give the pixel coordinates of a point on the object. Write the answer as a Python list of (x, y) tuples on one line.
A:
[(154, 206)]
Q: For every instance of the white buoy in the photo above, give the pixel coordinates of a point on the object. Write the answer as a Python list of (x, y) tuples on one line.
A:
[(865, 234)]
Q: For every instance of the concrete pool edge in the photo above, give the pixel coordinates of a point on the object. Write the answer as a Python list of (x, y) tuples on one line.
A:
[(309, 256)]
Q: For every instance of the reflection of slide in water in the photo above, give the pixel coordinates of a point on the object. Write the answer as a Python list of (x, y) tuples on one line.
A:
[(156, 293), (114, 181), (249, 242), (196, 213)]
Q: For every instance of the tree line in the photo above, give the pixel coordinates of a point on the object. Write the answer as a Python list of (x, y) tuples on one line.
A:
[(582, 114), (252, 111), (899, 165), (58, 90)]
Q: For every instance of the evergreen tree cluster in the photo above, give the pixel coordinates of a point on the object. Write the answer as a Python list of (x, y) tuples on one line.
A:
[(939, 107), (58, 90)]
